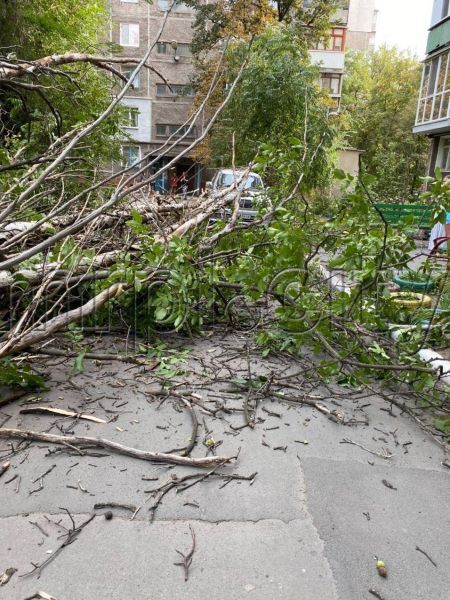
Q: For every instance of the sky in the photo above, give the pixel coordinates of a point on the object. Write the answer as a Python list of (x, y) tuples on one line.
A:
[(404, 23)]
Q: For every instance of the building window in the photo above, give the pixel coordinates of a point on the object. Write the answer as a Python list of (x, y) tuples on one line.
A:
[(174, 90), (168, 48), (164, 5), (331, 82), (434, 96), (131, 119), (444, 158), (128, 72), (129, 34), (165, 130), (335, 41), (131, 155)]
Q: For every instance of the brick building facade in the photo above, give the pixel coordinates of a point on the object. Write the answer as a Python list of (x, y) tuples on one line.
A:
[(156, 110)]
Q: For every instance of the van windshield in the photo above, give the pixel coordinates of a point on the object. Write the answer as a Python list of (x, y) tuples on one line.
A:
[(252, 181)]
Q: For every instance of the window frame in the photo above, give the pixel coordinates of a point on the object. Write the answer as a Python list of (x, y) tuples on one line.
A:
[(328, 44), (176, 52), (444, 152), (175, 86), (126, 163), (133, 114), (331, 77), (175, 8), (129, 70), (174, 127), (434, 95), (121, 36)]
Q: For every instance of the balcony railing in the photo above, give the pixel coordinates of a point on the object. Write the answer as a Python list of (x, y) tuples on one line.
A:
[(434, 98)]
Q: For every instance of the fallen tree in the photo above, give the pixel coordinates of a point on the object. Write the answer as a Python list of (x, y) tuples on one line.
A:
[(109, 247)]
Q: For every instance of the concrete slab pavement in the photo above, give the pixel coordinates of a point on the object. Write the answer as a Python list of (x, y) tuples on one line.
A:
[(123, 560), (298, 532)]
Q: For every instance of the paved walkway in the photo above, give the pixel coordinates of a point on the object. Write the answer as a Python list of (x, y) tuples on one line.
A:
[(306, 528)]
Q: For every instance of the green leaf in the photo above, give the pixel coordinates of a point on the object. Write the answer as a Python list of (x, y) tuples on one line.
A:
[(78, 363), (339, 174), (160, 313), (136, 216), (442, 424)]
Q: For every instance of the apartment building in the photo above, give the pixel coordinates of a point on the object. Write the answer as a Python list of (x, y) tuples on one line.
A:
[(155, 110), (362, 25), (329, 56), (433, 108)]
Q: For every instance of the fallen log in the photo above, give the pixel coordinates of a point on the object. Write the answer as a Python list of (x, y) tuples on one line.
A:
[(35, 275), (35, 336), (80, 441)]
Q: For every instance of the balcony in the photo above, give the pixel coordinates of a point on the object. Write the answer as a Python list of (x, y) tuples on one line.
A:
[(328, 60), (433, 110)]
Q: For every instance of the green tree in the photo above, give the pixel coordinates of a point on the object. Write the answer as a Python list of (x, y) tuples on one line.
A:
[(378, 111), (243, 19), (36, 112), (277, 107), (34, 28)]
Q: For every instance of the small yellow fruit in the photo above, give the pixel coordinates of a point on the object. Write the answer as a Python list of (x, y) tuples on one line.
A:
[(382, 572)]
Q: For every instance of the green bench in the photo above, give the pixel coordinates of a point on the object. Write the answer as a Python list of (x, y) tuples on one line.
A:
[(395, 213)]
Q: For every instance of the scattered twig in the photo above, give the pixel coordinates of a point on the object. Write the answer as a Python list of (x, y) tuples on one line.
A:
[(427, 555), (385, 454), (100, 505), (60, 412), (249, 419), (83, 489), (76, 440), (4, 467), (6, 576), (38, 527), (376, 594), (44, 474), (38, 489), (271, 412), (40, 596), (71, 536), (188, 449), (187, 558), (180, 484), (282, 448), (11, 479), (388, 484)]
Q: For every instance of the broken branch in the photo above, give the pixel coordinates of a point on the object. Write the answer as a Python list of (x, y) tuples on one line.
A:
[(81, 441)]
